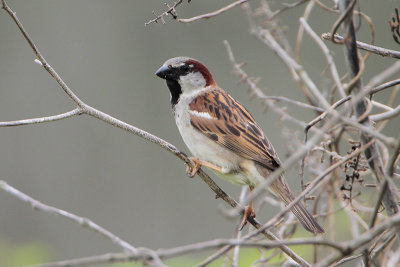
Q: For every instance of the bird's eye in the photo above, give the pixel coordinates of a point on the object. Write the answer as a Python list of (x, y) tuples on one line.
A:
[(169, 66)]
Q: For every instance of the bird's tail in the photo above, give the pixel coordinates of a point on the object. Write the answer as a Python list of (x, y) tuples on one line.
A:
[(281, 189)]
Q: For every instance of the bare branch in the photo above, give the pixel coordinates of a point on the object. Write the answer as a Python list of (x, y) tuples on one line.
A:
[(384, 86), (43, 62), (72, 217), (77, 111), (386, 115), (291, 101), (86, 109), (312, 185), (362, 241), (265, 36), (192, 248), (258, 92), (324, 114), (286, 7), (393, 69), (372, 154), (238, 232), (346, 259), (376, 154), (329, 58), (364, 46), (170, 11), (395, 26), (215, 13)]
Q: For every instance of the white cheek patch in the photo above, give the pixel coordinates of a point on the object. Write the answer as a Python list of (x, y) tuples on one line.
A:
[(201, 114), (192, 81)]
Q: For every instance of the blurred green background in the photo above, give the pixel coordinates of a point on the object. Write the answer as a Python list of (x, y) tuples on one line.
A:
[(108, 57)]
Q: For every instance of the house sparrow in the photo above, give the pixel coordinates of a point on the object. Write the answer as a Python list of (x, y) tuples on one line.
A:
[(222, 135)]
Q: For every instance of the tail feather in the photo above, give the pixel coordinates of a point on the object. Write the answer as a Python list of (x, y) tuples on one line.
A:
[(281, 189), (306, 219)]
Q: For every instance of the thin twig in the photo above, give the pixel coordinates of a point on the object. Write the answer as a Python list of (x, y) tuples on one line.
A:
[(364, 46), (363, 240), (348, 9), (329, 58), (343, 248), (346, 259), (386, 115), (390, 71), (72, 217), (287, 6), (215, 13), (324, 114), (238, 233), (170, 11), (291, 101), (192, 248), (259, 93), (86, 109), (311, 187), (372, 154), (384, 86), (65, 115)]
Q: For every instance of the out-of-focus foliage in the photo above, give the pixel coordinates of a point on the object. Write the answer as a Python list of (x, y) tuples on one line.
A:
[(16, 255)]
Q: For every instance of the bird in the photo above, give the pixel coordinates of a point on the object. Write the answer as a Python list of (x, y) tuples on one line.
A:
[(223, 136)]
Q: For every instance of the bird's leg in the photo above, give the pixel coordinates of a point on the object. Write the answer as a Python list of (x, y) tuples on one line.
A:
[(248, 210), (192, 170)]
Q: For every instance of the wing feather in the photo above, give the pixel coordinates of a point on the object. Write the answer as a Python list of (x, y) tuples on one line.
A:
[(231, 125)]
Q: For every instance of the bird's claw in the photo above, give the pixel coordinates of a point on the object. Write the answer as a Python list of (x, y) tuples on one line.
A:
[(192, 169), (248, 212)]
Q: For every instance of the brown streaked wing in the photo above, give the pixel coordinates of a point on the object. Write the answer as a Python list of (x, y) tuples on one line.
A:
[(233, 127)]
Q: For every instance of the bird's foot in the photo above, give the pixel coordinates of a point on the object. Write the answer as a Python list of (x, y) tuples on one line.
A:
[(191, 170), (248, 211)]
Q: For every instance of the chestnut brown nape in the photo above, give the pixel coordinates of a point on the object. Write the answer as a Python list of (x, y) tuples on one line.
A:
[(198, 66)]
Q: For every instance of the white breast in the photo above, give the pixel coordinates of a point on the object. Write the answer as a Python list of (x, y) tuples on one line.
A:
[(201, 146)]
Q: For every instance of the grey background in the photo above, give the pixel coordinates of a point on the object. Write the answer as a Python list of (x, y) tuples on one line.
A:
[(105, 54)]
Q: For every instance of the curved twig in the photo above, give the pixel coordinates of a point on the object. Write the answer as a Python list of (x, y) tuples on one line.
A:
[(364, 46), (86, 109), (56, 211), (213, 14)]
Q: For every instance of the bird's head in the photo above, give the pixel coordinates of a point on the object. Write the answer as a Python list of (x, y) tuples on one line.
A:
[(183, 75)]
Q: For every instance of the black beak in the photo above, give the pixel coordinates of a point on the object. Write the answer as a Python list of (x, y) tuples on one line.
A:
[(164, 72)]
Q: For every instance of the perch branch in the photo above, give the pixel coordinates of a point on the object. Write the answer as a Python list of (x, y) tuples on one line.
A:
[(86, 109), (37, 205)]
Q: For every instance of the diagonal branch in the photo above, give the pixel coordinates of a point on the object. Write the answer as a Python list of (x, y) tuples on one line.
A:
[(372, 154), (37, 205), (86, 109), (341, 248), (364, 46), (363, 240)]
